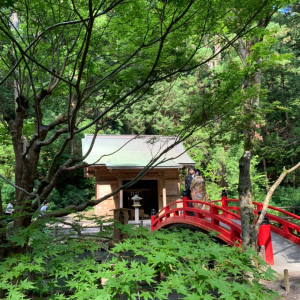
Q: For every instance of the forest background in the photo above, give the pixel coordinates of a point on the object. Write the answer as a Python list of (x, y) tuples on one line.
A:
[(223, 77), (276, 143)]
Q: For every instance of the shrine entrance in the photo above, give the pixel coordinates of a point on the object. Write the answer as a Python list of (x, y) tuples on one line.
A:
[(146, 189)]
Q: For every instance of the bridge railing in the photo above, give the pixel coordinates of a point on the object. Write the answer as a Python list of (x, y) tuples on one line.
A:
[(210, 218), (288, 228)]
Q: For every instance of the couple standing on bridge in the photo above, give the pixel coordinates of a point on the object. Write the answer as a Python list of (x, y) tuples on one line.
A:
[(195, 186)]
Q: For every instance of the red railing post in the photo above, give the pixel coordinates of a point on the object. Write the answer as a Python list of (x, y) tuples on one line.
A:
[(167, 210), (285, 228), (152, 221), (213, 212), (264, 239), (224, 201), (184, 203), (259, 206), (153, 216)]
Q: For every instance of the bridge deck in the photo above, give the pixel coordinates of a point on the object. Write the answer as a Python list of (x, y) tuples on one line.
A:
[(286, 254)]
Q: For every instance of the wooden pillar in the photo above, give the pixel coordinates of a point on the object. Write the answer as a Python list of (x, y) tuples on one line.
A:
[(121, 194), (286, 280), (164, 193), (120, 216), (97, 195)]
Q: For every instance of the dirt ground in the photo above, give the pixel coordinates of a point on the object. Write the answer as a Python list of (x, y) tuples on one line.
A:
[(278, 286)]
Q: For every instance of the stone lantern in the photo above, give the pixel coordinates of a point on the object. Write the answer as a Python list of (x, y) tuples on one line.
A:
[(136, 204)]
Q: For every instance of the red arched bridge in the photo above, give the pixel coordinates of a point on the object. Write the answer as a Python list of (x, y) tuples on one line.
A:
[(223, 217)]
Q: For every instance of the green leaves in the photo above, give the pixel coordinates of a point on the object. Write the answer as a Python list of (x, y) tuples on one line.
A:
[(153, 265)]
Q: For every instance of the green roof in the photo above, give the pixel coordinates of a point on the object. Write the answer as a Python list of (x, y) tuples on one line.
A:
[(130, 151)]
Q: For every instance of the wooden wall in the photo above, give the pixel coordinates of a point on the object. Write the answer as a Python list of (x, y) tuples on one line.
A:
[(108, 180)]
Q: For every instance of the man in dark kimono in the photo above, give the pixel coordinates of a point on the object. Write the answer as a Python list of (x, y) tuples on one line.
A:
[(188, 181)]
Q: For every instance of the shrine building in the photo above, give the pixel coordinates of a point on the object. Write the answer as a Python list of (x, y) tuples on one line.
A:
[(116, 159)]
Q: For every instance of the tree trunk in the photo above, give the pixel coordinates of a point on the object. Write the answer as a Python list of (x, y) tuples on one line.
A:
[(244, 187), (26, 168), (245, 198), (222, 182)]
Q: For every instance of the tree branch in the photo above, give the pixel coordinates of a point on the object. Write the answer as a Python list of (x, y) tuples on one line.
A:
[(270, 193)]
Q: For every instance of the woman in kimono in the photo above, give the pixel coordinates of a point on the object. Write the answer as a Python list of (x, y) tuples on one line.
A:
[(198, 190)]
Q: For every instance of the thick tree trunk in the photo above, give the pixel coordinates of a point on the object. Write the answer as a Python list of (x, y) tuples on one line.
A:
[(26, 163), (245, 198), (29, 166), (26, 168), (222, 182), (244, 187)]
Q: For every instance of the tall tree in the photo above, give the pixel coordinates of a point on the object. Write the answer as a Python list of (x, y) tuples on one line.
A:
[(253, 51), (70, 64)]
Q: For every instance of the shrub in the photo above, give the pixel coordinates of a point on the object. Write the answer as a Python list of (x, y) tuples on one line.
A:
[(191, 265), (286, 196)]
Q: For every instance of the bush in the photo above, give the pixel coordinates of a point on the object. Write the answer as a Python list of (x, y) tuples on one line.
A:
[(7, 192), (70, 195), (286, 196), (192, 264)]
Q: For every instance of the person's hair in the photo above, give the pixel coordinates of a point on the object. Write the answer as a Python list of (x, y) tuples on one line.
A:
[(198, 172), (191, 168)]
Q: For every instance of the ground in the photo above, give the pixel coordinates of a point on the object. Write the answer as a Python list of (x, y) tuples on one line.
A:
[(278, 286)]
